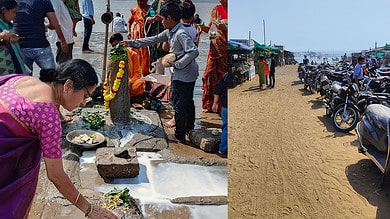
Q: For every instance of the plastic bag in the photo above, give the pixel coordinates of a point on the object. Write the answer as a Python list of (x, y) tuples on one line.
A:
[(213, 31)]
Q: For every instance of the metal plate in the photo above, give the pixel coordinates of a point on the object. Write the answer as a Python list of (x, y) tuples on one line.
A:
[(99, 138)]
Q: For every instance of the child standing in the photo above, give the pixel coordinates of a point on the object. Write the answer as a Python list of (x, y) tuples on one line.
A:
[(266, 70), (184, 69), (187, 9)]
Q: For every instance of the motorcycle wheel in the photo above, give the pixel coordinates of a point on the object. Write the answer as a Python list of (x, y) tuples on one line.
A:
[(345, 122)]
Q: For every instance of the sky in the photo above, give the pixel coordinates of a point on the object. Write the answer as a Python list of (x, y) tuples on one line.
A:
[(312, 25)]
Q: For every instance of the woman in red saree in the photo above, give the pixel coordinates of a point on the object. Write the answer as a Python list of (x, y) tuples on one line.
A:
[(216, 64), (137, 15), (30, 127)]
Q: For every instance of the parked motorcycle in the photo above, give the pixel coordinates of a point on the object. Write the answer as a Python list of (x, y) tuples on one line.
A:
[(301, 71), (376, 84), (373, 132), (309, 80), (323, 84), (332, 99), (349, 103), (346, 115)]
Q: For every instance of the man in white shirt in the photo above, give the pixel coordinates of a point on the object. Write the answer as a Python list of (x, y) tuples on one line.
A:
[(119, 24), (66, 25)]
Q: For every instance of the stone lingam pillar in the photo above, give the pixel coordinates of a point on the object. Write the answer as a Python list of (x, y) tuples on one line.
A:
[(120, 105)]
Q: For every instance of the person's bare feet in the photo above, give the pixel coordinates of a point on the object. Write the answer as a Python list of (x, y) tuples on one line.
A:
[(172, 137), (171, 123), (66, 118), (206, 111)]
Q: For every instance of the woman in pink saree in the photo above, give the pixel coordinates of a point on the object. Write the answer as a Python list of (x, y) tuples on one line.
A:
[(30, 127)]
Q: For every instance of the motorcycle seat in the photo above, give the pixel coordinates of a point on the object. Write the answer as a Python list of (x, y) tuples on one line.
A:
[(378, 115)]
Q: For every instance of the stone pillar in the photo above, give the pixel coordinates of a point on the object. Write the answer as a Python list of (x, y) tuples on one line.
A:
[(120, 105)]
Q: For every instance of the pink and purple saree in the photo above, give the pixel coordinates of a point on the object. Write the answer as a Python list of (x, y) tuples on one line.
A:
[(20, 155)]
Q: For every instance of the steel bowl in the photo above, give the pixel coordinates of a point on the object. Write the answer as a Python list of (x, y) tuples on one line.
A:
[(98, 140)]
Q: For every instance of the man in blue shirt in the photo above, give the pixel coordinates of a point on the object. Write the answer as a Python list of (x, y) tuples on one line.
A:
[(87, 12), (29, 25), (358, 70)]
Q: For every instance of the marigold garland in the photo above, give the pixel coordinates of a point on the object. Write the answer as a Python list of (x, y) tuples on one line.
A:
[(109, 94)]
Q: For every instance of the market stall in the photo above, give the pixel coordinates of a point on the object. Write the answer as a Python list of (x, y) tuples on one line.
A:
[(239, 59)]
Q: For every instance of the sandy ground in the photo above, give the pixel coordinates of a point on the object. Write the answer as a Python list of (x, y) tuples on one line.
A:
[(287, 161)]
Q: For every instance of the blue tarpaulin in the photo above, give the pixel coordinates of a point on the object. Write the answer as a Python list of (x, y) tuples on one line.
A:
[(234, 45)]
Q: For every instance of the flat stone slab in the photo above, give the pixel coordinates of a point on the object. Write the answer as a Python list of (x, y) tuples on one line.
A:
[(110, 166), (201, 200), (150, 135)]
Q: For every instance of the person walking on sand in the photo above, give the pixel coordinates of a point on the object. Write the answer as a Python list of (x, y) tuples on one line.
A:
[(272, 72), (185, 70), (259, 68), (87, 12), (266, 70)]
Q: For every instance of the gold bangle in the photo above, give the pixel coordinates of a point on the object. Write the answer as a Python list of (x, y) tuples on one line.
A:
[(78, 196), (89, 210)]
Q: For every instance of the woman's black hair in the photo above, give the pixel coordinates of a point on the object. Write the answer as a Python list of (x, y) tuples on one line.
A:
[(8, 4), (79, 71), (171, 9)]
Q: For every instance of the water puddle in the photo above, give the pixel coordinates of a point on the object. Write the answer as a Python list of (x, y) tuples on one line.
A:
[(159, 181)]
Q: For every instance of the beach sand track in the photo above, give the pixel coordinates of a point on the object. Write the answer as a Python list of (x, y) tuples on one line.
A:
[(287, 161)]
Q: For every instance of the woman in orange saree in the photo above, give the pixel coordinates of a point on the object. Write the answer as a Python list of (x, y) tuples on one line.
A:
[(217, 61), (137, 15)]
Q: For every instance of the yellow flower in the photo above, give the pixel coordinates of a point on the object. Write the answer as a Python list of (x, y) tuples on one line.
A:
[(108, 93)]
